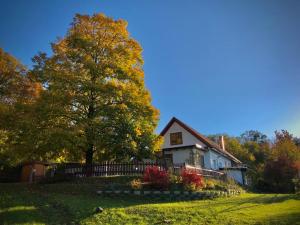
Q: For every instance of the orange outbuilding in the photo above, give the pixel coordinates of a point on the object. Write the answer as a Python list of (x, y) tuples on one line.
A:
[(33, 171)]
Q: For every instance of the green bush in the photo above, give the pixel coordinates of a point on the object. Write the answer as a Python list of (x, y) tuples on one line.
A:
[(219, 185)]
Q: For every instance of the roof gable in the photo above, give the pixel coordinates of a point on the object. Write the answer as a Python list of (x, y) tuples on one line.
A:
[(200, 137)]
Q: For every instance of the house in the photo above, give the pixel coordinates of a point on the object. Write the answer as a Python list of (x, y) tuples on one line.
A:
[(183, 144)]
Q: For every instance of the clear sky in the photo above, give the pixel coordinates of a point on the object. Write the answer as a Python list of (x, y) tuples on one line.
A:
[(219, 66)]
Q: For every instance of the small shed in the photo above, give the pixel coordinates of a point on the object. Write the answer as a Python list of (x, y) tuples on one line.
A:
[(33, 171)]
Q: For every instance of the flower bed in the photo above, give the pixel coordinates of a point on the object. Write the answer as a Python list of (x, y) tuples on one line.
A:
[(159, 184)]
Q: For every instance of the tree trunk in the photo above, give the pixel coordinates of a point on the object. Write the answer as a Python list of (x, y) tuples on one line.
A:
[(90, 133), (89, 160)]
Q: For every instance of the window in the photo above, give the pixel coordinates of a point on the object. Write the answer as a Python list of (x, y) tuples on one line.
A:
[(215, 164), (202, 161), (176, 138), (220, 164)]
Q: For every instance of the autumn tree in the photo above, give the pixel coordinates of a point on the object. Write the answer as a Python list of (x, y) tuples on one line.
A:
[(17, 91), (284, 165), (285, 146), (95, 91)]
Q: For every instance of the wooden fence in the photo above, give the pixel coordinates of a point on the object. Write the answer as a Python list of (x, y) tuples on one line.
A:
[(126, 169), (104, 169), (204, 172)]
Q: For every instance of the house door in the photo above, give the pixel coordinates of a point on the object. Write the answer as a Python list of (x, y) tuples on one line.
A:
[(168, 160)]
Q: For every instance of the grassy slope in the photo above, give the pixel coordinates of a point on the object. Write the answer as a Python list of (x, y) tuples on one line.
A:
[(74, 203)]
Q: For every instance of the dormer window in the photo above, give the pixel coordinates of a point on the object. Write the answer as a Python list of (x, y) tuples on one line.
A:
[(176, 138)]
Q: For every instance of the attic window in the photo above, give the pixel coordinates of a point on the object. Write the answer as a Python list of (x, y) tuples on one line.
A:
[(176, 138)]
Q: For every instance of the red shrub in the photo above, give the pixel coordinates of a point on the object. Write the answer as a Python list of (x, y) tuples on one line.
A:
[(190, 177), (156, 177)]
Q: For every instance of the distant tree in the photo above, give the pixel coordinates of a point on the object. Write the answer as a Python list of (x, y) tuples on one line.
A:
[(95, 91), (260, 151), (285, 146), (297, 141), (279, 174), (254, 136), (284, 165), (234, 146)]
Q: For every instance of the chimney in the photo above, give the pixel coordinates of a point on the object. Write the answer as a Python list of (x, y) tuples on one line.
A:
[(221, 142)]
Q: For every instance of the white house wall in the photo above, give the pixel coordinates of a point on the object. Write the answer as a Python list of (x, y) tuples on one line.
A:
[(221, 161), (236, 175), (187, 138), (207, 163), (181, 156)]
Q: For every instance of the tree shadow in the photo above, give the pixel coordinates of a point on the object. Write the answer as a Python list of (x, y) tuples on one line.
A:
[(36, 214), (258, 200), (20, 216)]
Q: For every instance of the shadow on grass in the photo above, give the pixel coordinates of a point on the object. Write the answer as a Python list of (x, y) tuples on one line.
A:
[(19, 204), (243, 203), (31, 213), (20, 216)]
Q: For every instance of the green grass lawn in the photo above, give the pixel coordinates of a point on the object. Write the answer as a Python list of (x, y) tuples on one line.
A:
[(74, 203)]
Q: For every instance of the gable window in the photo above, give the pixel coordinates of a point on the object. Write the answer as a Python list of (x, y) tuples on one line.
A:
[(176, 138)]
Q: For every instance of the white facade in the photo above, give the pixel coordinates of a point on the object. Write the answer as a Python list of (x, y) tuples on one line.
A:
[(180, 156), (216, 161), (187, 138)]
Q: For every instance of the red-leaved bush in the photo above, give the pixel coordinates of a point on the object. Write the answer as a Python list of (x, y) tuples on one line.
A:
[(190, 177), (156, 177)]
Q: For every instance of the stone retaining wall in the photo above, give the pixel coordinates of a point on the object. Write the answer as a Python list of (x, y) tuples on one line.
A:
[(174, 195)]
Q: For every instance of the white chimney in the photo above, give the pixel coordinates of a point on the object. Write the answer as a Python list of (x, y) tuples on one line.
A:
[(221, 142)]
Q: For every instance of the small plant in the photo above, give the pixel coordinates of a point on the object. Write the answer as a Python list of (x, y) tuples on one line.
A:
[(190, 187), (210, 184), (296, 183), (174, 179), (136, 184), (156, 177), (191, 180)]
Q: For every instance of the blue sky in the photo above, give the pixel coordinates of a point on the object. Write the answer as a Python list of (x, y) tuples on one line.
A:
[(219, 66)]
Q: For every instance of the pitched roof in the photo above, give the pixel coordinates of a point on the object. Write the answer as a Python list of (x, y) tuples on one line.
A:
[(200, 137)]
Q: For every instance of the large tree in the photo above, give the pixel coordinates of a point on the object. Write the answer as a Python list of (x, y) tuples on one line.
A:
[(95, 91)]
